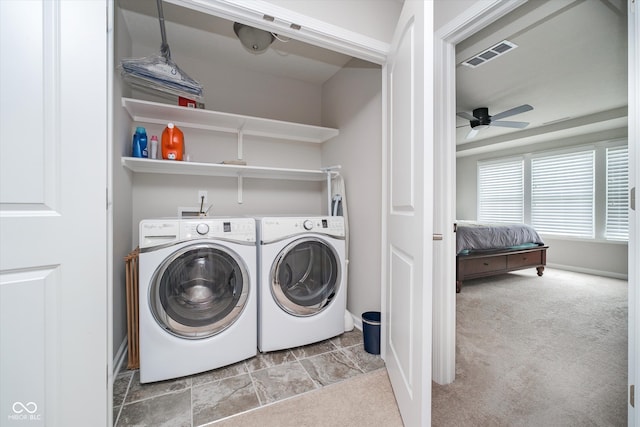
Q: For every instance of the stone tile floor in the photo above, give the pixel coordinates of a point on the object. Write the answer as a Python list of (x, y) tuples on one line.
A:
[(201, 399)]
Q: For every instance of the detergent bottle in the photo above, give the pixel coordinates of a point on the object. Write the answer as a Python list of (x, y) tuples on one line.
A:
[(139, 143), (172, 143)]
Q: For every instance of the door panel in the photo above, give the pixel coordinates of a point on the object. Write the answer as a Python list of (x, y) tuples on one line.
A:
[(53, 220), (28, 324), (402, 82), (400, 315), (408, 215)]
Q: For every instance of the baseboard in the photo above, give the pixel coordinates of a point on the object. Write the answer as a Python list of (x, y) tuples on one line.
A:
[(120, 358), (357, 321), (610, 274)]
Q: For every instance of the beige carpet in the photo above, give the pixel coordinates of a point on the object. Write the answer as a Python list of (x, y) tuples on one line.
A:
[(538, 351), (366, 400)]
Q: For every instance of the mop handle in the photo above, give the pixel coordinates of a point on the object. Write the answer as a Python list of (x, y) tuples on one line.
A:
[(164, 48)]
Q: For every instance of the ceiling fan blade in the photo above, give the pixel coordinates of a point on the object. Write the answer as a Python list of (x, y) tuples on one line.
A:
[(517, 125), (512, 112), (472, 133), (466, 116)]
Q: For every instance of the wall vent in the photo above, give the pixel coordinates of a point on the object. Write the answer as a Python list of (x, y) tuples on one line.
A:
[(487, 55)]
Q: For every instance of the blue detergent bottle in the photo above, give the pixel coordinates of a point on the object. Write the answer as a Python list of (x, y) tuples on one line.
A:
[(139, 146)]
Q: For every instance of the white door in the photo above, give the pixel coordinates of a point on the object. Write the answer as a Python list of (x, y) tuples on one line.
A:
[(408, 212), (53, 221)]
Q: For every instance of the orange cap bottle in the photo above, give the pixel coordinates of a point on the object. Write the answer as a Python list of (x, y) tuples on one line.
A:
[(172, 143)]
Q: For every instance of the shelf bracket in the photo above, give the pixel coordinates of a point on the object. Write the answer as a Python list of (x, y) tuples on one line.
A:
[(240, 143), (239, 189), (240, 156)]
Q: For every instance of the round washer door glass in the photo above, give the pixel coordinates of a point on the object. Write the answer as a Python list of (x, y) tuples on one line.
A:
[(199, 290), (305, 277)]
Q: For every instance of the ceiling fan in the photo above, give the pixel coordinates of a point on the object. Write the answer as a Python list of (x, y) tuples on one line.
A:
[(482, 120)]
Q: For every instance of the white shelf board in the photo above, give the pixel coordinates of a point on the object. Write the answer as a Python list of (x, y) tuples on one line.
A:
[(157, 113), (141, 165)]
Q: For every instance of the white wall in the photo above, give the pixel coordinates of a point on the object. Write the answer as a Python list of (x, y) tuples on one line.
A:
[(240, 91), (352, 102), (596, 257), (373, 18), (237, 91), (446, 11)]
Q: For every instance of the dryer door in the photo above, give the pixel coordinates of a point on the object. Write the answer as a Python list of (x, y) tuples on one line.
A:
[(305, 276), (199, 291)]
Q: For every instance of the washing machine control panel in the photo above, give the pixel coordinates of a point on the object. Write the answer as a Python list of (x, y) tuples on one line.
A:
[(238, 229)]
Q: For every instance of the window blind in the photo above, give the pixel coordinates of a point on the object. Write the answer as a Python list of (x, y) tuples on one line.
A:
[(562, 194), (617, 216), (501, 191)]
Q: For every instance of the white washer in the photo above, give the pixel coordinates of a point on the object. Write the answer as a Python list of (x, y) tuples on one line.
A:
[(198, 295), (302, 294)]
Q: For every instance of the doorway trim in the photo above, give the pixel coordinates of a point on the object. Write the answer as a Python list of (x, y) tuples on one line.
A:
[(463, 26)]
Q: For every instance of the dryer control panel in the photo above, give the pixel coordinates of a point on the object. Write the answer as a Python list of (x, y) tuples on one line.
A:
[(279, 227)]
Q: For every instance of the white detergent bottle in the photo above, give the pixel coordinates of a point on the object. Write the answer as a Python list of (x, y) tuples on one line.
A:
[(154, 147)]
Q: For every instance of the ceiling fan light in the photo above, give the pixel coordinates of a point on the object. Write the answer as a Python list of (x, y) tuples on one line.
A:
[(253, 39)]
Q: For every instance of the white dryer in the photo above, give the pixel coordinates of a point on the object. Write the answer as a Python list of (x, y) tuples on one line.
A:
[(302, 294), (197, 295)]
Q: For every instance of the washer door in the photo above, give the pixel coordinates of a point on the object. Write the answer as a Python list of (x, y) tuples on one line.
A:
[(305, 276), (199, 291)]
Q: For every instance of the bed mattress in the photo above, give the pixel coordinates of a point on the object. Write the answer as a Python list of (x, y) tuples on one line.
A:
[(474, 236)]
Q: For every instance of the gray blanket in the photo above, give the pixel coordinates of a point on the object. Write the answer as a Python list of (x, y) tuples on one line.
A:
[(472, 236)]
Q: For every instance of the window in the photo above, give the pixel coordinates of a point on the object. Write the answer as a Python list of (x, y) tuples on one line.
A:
[(617, 215), (562, 194), (501, 191), (579, 192)]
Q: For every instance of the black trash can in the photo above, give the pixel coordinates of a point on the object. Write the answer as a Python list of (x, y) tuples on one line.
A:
[(371, 331)]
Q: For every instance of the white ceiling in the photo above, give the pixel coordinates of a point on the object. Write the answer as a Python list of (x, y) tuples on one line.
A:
[(194, 34), (570, 64)]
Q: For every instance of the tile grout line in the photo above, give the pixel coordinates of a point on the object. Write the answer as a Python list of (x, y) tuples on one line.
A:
[(182, 390), (191, 401), (355, 362), (317, 385), (124, 399), (253, 384)]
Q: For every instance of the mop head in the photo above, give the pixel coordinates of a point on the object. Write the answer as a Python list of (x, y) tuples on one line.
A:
[(159, 73)]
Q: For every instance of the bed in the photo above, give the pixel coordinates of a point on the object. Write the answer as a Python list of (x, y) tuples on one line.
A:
[(489, 249)]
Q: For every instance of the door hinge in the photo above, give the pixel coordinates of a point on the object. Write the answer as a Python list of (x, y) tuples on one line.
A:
[(632, 199), (632, 395)]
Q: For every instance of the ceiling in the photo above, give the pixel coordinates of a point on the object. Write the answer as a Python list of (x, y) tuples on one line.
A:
[(193, 34), (570, 64)]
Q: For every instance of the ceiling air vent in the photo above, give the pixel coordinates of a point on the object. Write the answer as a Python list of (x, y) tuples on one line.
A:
[(493, 52)]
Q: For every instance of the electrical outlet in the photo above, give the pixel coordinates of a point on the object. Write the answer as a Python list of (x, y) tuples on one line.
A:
[(201, 194)]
